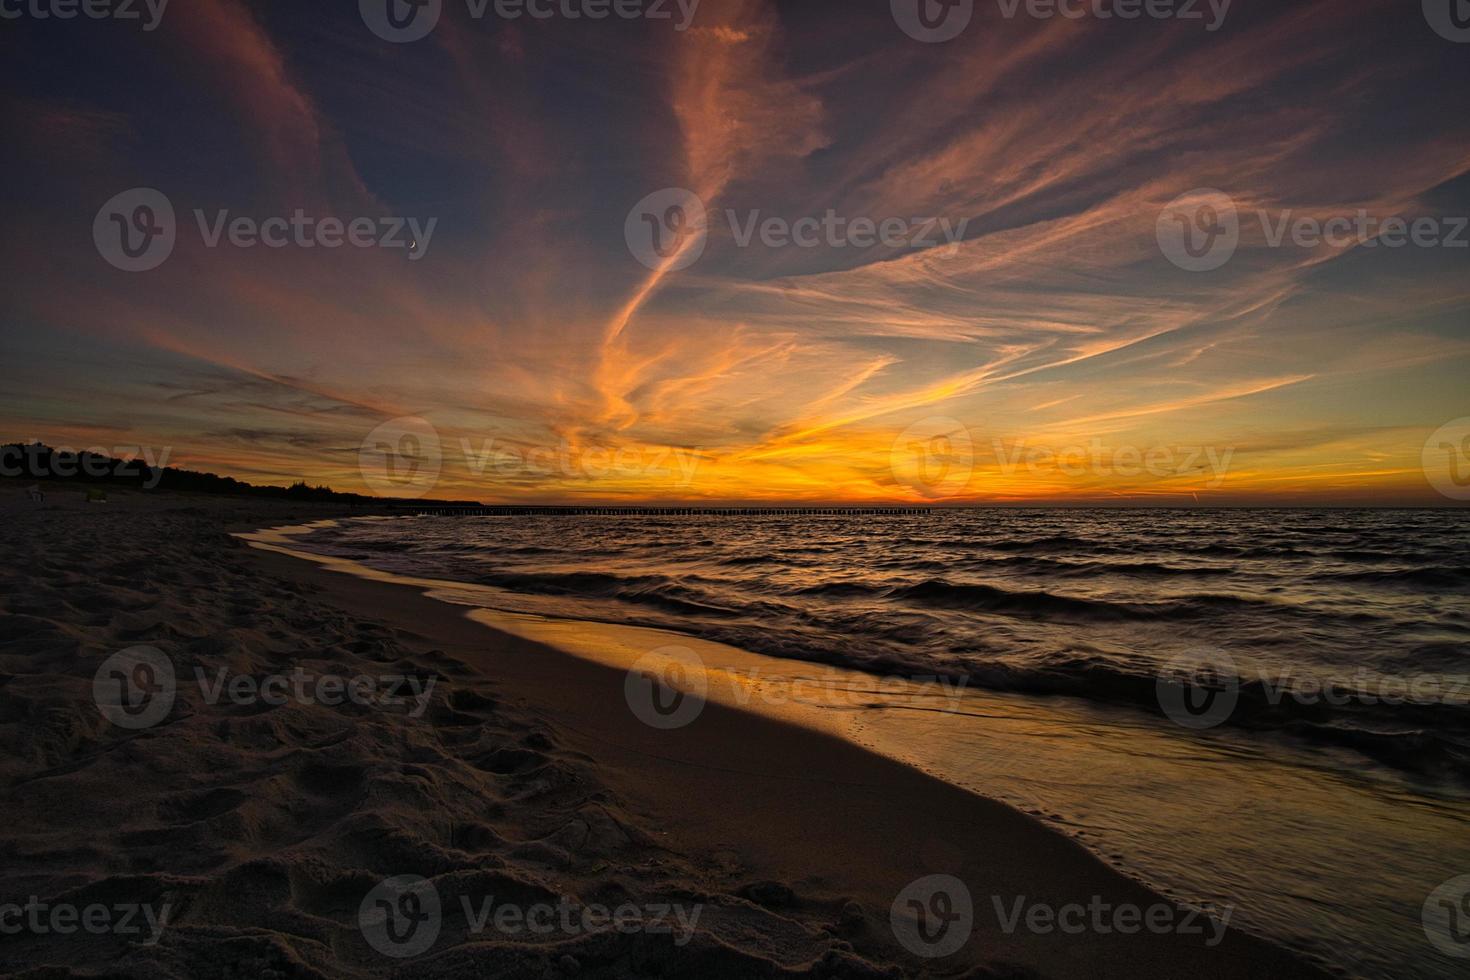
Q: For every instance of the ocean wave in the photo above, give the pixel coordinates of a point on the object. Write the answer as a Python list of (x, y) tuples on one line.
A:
[(978, 597), (841, 589), (1036, 603), (981, 597), (1364, 555), (1050, 543), (653, 590), (1433, 577)]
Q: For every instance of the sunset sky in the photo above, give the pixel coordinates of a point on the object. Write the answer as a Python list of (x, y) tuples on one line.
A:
[(526, 323)]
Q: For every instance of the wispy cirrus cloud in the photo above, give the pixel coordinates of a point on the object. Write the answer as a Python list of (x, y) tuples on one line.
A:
[(1055, 144)]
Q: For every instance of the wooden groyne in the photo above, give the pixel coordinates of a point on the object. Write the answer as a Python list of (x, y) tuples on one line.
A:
[(510, 510)]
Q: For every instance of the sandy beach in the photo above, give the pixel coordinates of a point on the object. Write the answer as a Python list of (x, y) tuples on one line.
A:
[(496, 769)]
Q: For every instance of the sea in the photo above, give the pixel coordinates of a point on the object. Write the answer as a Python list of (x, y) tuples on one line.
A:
[(1266, 711)]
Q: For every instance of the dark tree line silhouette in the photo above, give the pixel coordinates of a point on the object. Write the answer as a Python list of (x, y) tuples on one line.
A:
[(39, 463)]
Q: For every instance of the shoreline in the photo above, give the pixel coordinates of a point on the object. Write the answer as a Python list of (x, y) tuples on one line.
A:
[(724, 786)]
